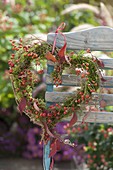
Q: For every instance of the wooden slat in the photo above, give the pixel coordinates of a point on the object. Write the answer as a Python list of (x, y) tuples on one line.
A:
[(108, 63), (73, 80), (97, 39), (96, 117), (61, 96)]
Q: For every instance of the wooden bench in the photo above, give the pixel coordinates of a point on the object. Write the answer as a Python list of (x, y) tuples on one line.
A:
[(97, 39)]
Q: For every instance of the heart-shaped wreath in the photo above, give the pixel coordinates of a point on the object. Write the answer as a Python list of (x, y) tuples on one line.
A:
[(29, 56)]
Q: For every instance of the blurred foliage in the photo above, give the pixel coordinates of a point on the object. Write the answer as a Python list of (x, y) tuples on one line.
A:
[(98, 141)]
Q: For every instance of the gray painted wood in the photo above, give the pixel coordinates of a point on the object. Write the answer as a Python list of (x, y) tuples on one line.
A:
[(97, 39), (96, 117), (61, 96), (108, 63), (73, 80)]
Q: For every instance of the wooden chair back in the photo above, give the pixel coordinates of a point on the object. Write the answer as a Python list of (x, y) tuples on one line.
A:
[(97, 39)]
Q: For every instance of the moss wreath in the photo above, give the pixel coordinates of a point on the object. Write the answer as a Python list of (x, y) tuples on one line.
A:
[(24, 78)]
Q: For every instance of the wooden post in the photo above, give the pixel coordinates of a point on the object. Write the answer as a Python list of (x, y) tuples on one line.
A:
[(46, 159), (46, 150)]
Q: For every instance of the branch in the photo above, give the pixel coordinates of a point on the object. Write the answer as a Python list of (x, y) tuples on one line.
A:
[(81, 6)]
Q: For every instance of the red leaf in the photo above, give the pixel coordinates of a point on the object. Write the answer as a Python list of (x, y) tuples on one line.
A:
[(61, 53), (35, 106), (73, 120), (102, 79), (22, 104), (51, 57), (100, 63), (58, 145), (53, 148)]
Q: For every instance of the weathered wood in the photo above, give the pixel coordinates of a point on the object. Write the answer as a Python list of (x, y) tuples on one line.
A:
[(108, 63), (61, 96), (97, 39), (96, 117), (46, 150), (73, 80)]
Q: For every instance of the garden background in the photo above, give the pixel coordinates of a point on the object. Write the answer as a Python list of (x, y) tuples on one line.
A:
[(18, 136)]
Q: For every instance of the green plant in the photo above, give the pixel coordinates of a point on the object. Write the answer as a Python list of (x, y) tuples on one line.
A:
[(98, 140)]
